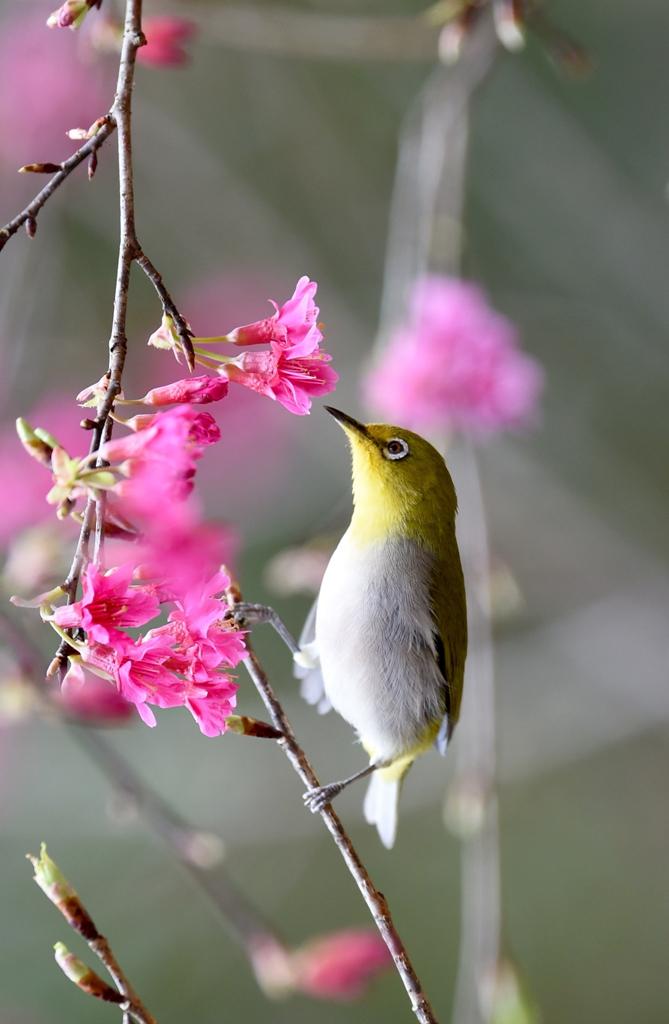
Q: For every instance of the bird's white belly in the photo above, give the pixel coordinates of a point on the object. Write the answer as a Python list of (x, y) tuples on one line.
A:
[(374, 636)]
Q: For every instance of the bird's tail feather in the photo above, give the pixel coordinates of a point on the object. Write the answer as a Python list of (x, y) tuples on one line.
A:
[(380, 807)]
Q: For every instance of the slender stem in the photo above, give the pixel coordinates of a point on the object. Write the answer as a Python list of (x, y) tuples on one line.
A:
[(374, 899), (129, 251), (169, 308), (89, 148), (121, 113), (134, 1008)]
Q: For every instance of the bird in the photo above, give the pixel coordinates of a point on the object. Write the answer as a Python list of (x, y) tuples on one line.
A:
[(386, 640)]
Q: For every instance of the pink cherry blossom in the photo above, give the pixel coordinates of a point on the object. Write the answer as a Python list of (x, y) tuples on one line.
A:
[(159, 458), (196, 390), (165, 38), (211, 710), (199, 632), (277, 374), (144, 673), (455, 365), (294, 325), (178, 433), (178, 551), (340, 965), (109, 603)]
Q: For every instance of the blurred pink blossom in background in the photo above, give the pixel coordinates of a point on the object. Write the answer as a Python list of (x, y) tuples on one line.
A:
[(454, 365), (165, 39), (60, 88), (92, 699), (340, 965)]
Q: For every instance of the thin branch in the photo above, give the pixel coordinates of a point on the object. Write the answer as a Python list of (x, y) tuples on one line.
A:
[(130, 251), (65, 898), (375, 900), (183, 330), (28, 216)]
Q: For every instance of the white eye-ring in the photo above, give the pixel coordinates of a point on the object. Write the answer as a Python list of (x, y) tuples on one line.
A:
[(396, 448)]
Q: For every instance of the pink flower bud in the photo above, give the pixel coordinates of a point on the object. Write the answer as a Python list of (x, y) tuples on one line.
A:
[(196, 390), (71, 13)]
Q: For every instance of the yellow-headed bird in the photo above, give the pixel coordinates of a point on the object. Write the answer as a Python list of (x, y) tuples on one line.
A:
[(386, 642)]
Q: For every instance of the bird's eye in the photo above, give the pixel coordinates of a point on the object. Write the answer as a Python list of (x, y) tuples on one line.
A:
[(396, 448)]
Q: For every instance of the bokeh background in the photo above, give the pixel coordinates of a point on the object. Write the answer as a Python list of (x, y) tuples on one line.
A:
[(254, 166)]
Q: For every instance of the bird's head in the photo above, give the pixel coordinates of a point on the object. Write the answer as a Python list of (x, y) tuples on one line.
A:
[(400, 481)]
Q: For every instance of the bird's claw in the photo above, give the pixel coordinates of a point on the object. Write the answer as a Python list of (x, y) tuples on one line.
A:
[(318, 798)]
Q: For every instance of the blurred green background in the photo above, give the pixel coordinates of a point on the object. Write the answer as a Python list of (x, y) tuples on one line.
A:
[(253, 169)]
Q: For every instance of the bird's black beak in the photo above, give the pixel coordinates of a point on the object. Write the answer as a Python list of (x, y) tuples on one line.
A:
[(347, 422)]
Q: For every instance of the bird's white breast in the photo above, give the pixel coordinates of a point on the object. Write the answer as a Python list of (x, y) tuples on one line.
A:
[(374, 636)]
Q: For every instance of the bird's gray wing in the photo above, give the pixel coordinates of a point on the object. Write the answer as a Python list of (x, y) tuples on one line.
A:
[(307, 669)]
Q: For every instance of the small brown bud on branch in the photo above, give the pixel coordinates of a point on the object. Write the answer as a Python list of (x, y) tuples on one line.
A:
[(45, 168), (56, 888), (83, 977), (245, 726)]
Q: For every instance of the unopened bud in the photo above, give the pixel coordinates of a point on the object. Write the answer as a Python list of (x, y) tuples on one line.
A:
[(92, 165), (509, 24), (48, 438), (245, 726), (43, 168), (88, 424), (50, 878), (71, 13), (166, 336), (35, 445), (58, 890), (65, 508), (31, 227), (83, 977)]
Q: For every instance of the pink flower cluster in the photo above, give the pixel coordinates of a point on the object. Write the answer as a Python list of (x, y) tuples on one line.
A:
[(455, 365), (173, 569), (178, 664), (292, 370)]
